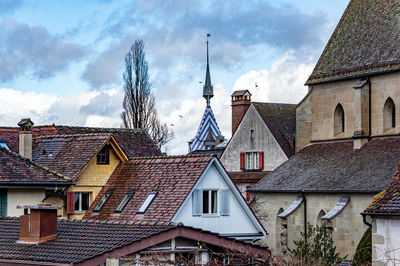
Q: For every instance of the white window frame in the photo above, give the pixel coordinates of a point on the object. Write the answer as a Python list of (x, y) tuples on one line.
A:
[(210, 213), (252, 160), (147, 202), (80, 201)]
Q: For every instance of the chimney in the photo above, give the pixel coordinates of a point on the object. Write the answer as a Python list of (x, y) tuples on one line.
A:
[(362, 110), (40, 225), (25, 138), (241, 101)]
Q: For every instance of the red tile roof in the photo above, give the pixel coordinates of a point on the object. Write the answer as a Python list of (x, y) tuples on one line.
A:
[(15, 169), (388, 201), (172, 177), (68, 154), (91, 242)]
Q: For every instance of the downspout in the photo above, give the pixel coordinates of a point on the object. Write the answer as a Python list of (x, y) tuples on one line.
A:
[(369, 109), (303, 194)]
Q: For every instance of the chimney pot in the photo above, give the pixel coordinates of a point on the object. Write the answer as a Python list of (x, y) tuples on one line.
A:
[(40, 225)]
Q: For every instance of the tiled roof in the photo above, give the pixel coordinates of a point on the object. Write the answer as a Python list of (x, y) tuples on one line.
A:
[(134, 142), (75, 242), (281, 120), (68, 154), (247, 176), (239, 93), (82, 240), (336, 167), (15, 169), (10, 135), (388, 201), (365, 42), (172, 177)]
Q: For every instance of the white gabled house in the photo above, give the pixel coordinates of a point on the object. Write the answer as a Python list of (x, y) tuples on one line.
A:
[(193, 190)]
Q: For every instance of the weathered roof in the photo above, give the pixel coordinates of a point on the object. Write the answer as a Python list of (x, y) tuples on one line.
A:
[(17, 170), (240, 93), (336, 167), (92, 241), (134, 142), (247, 176), (173, 177), (280, 118), (388, 201), (68, 154), (365, 42)]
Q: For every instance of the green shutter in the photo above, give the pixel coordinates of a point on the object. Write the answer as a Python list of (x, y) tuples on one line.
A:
[(3, 202)]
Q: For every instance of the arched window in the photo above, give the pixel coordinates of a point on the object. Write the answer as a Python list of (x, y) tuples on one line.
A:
[(281, 234), (389, 115), (338, 117), (319, 218)]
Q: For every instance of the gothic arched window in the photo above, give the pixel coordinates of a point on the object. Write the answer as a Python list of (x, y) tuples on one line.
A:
[(389, 115), (338, 118)]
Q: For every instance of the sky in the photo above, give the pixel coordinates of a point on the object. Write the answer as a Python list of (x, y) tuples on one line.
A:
[(62, 61)]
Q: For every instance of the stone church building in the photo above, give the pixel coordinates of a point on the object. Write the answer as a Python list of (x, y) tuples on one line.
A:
[(347, 133)]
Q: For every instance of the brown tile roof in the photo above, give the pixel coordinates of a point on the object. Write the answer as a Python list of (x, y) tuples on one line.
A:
[(68, 154), (17, 170), (84, 241), (10, 135), (173, 177), (280, 118), (388, 201), (365, 42), (134, 142), (238, 177), (336, 167)]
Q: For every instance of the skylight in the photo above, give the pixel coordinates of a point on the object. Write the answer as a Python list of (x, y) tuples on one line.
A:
[(147, 202), (103, 201), (4, 145), (124, 201)]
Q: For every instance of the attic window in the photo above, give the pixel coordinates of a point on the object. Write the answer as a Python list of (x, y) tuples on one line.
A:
[(103, 201), (4, 145), (147, 202), (124, 201), (103, 157)]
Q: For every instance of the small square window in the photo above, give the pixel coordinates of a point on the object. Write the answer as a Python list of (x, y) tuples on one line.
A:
[(82, 201), (210, 201), (103, 201), (103, 157), (251, 160)]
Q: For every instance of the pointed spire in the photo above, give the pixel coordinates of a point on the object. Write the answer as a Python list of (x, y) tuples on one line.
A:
[(208, 88)]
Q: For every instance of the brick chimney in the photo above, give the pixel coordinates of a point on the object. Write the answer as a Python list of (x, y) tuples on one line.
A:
[(40, 225), (25, 138), (241, 101)]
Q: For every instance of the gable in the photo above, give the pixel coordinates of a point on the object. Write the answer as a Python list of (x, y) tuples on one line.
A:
[(240, 222), (264, 141)]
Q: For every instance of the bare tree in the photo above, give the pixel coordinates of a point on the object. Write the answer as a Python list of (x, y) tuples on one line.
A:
[(139, 101)]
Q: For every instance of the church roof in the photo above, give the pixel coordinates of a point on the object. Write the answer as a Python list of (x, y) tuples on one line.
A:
[(207, 122), (365, 42), (336, 167)]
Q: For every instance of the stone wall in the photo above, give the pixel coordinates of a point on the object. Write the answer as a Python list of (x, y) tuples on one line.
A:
[(348, 224), (303, 122), (385, 240)]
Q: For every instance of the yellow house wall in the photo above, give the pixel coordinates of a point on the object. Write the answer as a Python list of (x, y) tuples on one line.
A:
[(92, 180)]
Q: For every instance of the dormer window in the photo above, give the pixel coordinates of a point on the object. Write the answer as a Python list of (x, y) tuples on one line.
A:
[(103, 157), (389, 115), (147, 202), (103, 201), (124, 201)]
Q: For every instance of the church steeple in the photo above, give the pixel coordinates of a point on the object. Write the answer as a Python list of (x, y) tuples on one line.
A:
[(208, 92)]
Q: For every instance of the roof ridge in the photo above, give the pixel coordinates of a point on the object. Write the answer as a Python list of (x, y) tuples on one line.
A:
[(35, 164), (120, 222), (275, 103), (173, 156), (107, 128), (74, 135)]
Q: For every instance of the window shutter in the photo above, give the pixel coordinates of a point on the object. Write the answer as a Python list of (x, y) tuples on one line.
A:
[(225, 202), (261, 160), (196, 202), (70, 202), (242, 161)]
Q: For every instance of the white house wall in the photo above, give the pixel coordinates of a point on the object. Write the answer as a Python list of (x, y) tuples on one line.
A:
[(26, 196), (238, 222), (264, 141), (386, 241)]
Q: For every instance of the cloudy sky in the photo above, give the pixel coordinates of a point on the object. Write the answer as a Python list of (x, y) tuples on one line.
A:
[(62, 61)]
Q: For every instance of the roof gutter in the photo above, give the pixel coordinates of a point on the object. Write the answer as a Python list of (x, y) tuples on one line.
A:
[(317, 191), (27, 262)]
